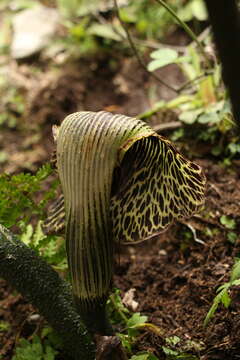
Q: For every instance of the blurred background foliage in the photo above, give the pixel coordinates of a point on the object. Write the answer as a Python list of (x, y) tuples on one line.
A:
[(89, 28), (194, 110)]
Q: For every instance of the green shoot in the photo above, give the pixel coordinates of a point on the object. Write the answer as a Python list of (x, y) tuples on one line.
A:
[(131, 324), (34, 350), (17, 204), (222, 296), (50, 247), (228, 222), (4, 326), (185, 27)]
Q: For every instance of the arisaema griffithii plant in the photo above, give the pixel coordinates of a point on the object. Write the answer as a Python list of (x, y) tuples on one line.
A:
[(122, 183)]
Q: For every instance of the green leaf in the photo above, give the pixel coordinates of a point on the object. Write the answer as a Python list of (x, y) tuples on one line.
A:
[(222, 287), (4, 326), (212, 309), (235, 283), (193, 345), (17, 201), (29, 351), (216, 150), (116, 310), (225, 298), (223, 295), (33, 237), (199, 10), (189, 71), (127, 16), (234, 148), (235, 274), (169, 351), (172, 340), (27, 235), (228, 222), (38, 235), (34, 350), (208, 118), (104, 31), (51, 337), (44, 172), (185, 356), (162, 58), (126, 341), (136, 319), (164, 54), (185, 13), (50, 353), (189, 117), (232, 237)]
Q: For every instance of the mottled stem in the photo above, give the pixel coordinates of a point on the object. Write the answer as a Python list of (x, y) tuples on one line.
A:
[(42, 286)]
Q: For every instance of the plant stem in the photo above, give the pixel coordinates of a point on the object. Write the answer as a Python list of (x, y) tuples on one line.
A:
[(123, 316), (151, 327), (135, 51), (42, 286), (163, 105), (185, 27)]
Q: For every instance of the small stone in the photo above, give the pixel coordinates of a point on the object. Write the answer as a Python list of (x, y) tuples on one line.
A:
[(129, 301), (34, 317), (32, 30), (162, 252)]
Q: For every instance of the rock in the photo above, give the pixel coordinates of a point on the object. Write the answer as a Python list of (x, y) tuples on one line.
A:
[(32, 30)]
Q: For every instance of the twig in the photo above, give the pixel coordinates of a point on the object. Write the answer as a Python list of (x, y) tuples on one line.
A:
[(208, 221), (167, 126), (135, 51), (156, 107), (163, 105), (192, 81), (201, 36), (194, 234), (155, 45), (185, 27)]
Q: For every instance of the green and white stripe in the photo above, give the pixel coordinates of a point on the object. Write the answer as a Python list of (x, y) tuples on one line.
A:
[(89, 147)]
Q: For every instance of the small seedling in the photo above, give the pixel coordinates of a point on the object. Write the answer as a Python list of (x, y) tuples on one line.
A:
[(228, 222), (131, 324), (222, 296), (4, 326), (34, 350), (232, 237)]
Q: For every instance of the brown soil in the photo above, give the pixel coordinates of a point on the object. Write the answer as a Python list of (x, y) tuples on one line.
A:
[(175, 277)]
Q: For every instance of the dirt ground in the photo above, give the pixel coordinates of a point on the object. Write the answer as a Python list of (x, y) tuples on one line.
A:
[(175, 277)]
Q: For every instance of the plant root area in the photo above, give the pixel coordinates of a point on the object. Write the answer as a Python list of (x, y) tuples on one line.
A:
[(175, 276)]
